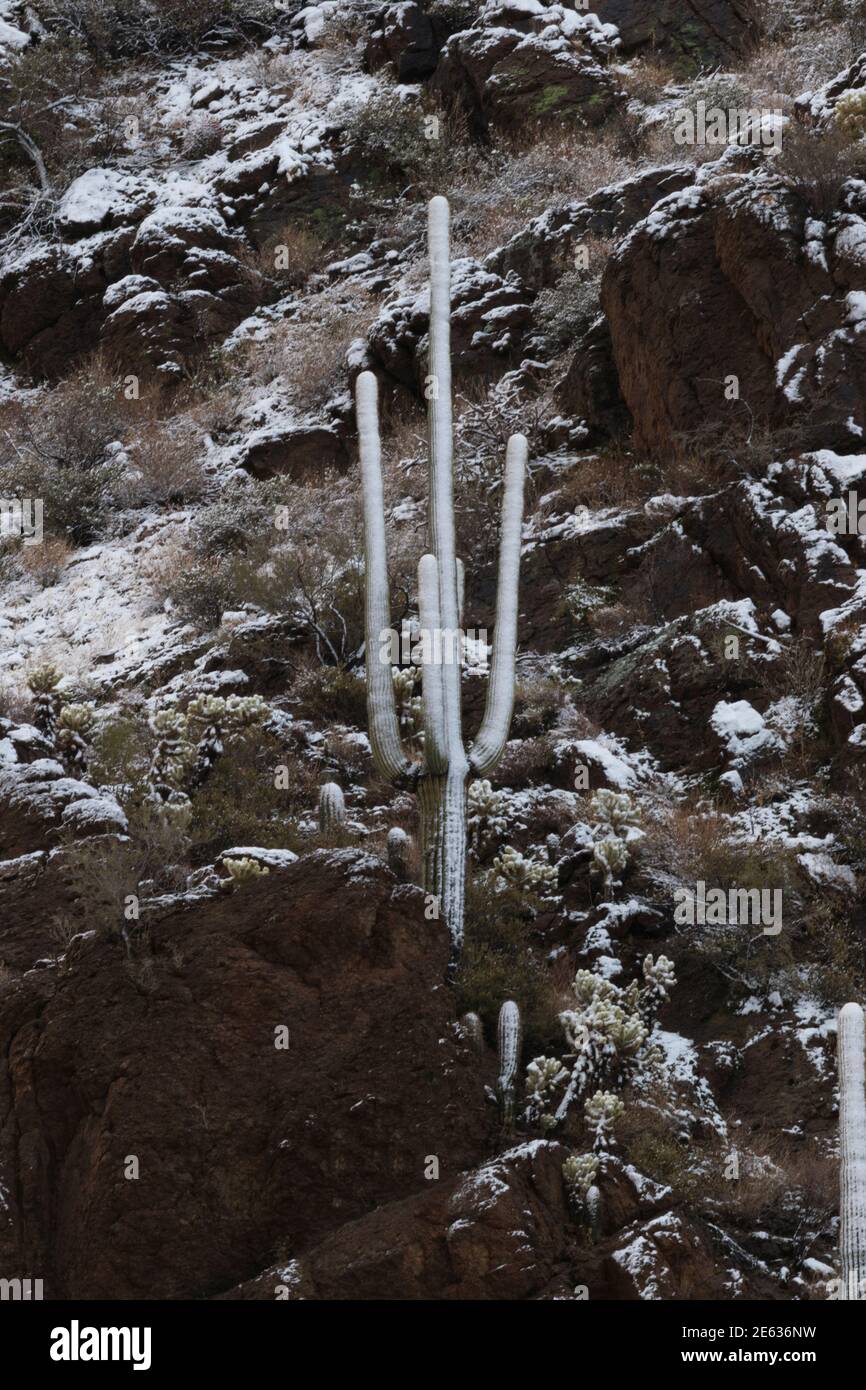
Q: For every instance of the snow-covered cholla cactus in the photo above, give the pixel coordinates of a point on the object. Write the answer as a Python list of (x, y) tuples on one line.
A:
[(42, 684), (852, 1146), (602, 1111), (214, 719), (580, 1172), (332, 808), (614, 809), (486, 822), (543, 1076), (74, 726), (407, 683), (525, 874), (170, 755), (241, 871), (399, 849), (609, 859), (608, 1035), (510, 1038), (439, 779)]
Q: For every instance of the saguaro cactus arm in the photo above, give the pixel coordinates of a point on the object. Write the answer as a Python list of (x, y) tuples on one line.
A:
[(385, 741), (493, 734), (852, 1145)]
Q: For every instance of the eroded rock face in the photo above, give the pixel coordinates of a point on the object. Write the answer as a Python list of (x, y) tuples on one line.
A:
[(243, 1148), (697, 31), (407, 38), (736, 297)]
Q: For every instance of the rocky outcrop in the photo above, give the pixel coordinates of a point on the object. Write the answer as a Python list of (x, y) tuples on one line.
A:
[(408, 39), (737, 301), (525, 65), (267, 1065), (697, 32)]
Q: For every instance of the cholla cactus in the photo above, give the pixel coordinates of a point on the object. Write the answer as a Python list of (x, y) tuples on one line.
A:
[(471, 1025), (407, 686), (659, 979), (42, 684), (602, 1112), (221, 719), (609, 859), (440, 779), (485, 822), (609, 1030), (399, 848), (850, 113), (510, 1037), (580, 1172), (524, 874), (74, 725), (615, 810), (171, 755), (332, 808), (543, 1075), (852, 1144), (241, 871)]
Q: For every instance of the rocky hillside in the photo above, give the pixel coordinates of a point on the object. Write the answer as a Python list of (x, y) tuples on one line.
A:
[(236, 1062)]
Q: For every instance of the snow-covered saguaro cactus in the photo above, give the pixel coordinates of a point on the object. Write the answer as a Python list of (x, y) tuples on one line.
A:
[(440, 779), (332, 808), (510, 1037), (852, 1145)]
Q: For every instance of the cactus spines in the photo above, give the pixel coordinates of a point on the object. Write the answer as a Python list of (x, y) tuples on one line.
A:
[(241, 871), (852, 1134), (332, 808), (440, 778), (399, 846), (510, 1038)]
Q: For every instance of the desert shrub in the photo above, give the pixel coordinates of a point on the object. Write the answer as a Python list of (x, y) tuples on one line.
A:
[(566, 310), (330, 695), (61, 450), (166, 466), (126, 28), (818, 164), (45, 562), (306, 355), (395, 137), (498, 963), (538, 704), (241, 805), (291, 255)]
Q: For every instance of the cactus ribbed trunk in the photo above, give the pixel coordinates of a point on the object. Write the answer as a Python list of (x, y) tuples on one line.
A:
[(852, 1136), (442, 804)]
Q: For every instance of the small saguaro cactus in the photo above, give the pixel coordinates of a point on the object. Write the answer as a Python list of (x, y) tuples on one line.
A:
[(473, 1030), (399, 847), (510, 1037), (440, 777), (852, 1135), (332, 808)]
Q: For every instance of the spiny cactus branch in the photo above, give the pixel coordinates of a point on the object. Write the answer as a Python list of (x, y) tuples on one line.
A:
[(852, 1136)]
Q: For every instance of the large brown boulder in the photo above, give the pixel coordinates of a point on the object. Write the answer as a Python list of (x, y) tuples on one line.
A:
[(156, 1140)]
